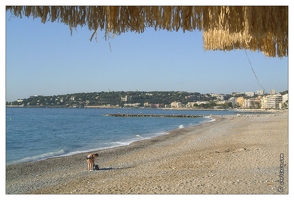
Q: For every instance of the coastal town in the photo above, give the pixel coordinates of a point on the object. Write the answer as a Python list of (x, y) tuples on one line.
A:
[(159, 99)]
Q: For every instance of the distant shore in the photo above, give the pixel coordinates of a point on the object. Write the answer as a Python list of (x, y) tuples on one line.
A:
[(232, 155), (115, 107)]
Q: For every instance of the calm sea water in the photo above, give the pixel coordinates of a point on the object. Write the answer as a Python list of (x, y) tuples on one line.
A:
[(40, 133)]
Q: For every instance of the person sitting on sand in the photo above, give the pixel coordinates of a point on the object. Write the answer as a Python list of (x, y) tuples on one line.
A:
[(91, 160)]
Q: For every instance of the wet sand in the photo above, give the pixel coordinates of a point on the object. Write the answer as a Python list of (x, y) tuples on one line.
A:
[(232, 155)]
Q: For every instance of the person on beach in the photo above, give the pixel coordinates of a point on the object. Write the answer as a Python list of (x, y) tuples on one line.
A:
[(91, 160)]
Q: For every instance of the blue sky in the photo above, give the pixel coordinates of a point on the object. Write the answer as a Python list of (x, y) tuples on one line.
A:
[(46, 59)]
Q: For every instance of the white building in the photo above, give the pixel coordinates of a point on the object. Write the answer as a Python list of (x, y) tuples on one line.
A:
[(251, 103), (284, 98), (271, 102), (237, 93), (260, 92), (249, 94), (126, 98), (37, 95), (176, 104), (233, 101), (219, 97), (247, 103), (272, 92), (191, 104), (131, 104)]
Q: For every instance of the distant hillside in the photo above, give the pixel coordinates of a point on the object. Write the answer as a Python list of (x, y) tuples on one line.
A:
[(113, 99)]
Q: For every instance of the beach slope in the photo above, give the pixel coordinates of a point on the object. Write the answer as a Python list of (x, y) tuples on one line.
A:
[(246, 154)]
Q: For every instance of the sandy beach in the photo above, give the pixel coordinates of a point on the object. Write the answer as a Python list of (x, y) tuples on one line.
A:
[(246, 154)]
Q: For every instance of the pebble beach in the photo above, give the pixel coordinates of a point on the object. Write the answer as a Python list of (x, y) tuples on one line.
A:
[(244, 154)]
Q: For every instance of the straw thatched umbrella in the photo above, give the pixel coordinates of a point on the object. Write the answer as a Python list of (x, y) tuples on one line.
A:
[(262, 28)]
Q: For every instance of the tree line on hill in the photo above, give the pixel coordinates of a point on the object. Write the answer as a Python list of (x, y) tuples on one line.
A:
[(125, 98), (113, 98)]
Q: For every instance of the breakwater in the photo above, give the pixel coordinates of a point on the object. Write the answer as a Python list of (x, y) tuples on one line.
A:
[(154, 115)]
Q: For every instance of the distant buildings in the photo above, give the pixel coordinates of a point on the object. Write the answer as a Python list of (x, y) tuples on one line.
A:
[(126, 98), (33, 96), (260, 92), (132, 104), (243, 100), (235, 94), (176, 104), (284, 98), (240, 102), (198, 103), (252, 103), (219, 97), (249, 94), (146, 104), (272, 102), (191, 104), (233, 100)]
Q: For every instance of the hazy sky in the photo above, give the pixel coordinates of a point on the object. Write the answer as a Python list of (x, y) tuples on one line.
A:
[(45, 59)]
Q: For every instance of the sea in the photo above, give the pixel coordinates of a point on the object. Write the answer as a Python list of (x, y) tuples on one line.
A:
[(39, 133)]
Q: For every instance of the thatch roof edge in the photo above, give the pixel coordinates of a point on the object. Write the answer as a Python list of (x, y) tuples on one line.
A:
[(262, 28)]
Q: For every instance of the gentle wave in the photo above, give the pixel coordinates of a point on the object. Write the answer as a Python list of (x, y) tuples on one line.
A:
[(62, 153), (135, 139), (79, 131), (181, 126), (116, 144), (41, 157)]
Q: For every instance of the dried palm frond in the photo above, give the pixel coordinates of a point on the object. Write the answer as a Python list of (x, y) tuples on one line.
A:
[(262, 28)]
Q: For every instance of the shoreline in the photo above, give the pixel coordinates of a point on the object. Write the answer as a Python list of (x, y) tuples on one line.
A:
[(103, 148), (208, 149)]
